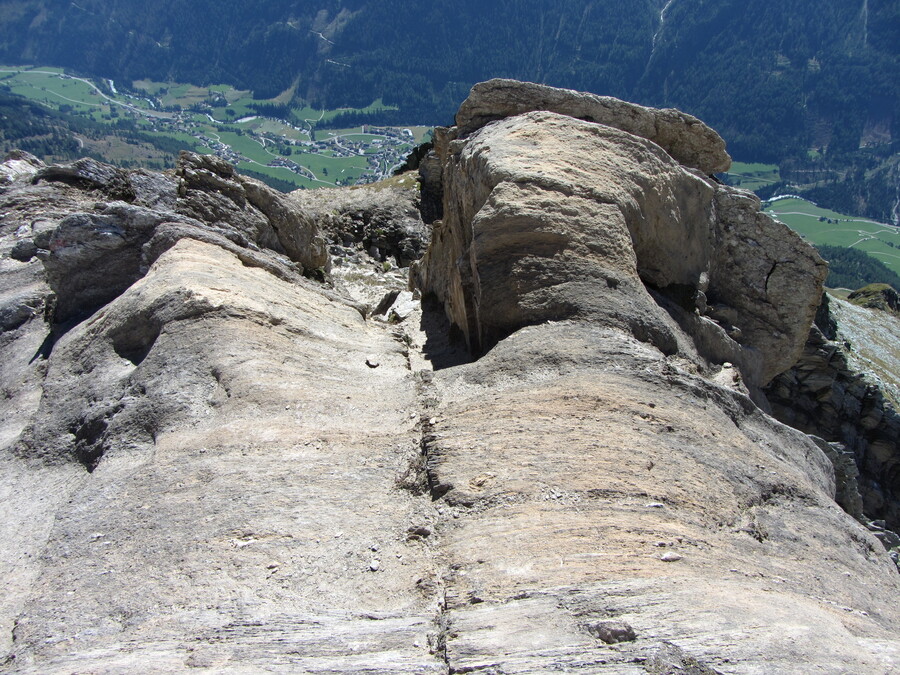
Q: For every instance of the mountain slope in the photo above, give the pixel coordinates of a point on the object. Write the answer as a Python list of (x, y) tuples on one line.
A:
[(774, 77)]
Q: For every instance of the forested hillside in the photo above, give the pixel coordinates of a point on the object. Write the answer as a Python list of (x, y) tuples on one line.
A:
[(776, 78)]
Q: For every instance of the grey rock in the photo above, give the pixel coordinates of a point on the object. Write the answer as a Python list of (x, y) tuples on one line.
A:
[(24, 250), (612, 632), (94, 257), (17, 310), (382, 218), (670, 659), (88, 173), (386, 302), (19, 165), (250, 212), (403, 307), (846, 476), (850, 406)]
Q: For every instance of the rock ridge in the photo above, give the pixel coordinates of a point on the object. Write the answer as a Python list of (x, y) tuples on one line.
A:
[(681, 234), (688, 140), (229, 466)]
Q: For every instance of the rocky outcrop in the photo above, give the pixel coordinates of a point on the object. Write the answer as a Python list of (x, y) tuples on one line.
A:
[(211, 191), (546, 216), (688, 140), (92, 255), (381, 219), (228, 467), (877, 296)]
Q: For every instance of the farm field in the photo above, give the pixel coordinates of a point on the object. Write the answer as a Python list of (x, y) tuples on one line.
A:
[(221, 120), (751, 176), (825, 227)]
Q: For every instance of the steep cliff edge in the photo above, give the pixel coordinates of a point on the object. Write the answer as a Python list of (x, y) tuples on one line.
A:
[(844, 389), (215, 461)]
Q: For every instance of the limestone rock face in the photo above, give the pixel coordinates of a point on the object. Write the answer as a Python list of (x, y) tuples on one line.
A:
[(214, 463), (549, 217)]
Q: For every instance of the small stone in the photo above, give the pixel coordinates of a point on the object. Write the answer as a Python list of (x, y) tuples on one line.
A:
[(23, 250), (374, 565), (655, 505), (671, 556), (612, 632), (418, 532), (372, 361)]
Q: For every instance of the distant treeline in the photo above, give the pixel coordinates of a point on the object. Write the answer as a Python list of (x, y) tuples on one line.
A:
[(852, 268), (278, 110), (277, 183), (382, 117)]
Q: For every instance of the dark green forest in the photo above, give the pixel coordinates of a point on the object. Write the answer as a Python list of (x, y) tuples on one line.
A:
[(774, 77), (852, 268)]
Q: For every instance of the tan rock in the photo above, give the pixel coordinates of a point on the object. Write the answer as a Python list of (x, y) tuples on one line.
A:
[(683, 136), (549, 217), (599, 452)]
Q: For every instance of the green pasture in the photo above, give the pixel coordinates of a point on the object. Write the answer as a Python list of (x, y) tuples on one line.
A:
[(246, 145), (752, 176), (878, 240), (283, 174), (54, 90)]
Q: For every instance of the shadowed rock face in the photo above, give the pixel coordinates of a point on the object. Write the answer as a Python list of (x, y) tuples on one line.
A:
[(836, 391), (228, 467)]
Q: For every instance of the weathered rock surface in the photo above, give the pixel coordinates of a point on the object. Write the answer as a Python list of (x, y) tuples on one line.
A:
[(550, 217), (227, 468), (575, 460), (682, 136), (382, 219)]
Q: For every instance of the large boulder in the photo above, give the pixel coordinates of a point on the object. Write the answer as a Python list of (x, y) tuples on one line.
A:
[(546, 216), (683, 136)]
